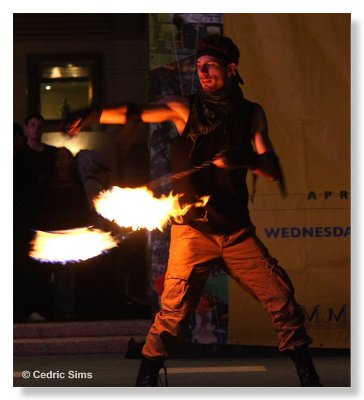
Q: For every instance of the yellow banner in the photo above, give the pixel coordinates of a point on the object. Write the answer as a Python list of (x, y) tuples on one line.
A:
[(297, 66)]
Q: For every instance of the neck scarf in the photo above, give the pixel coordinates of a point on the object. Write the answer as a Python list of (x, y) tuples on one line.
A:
[(210, 110)]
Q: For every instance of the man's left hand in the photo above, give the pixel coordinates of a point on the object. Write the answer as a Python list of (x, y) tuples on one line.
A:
[(235, 158)]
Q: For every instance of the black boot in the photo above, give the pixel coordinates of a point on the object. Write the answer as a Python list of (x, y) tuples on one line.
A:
[(148, 374), (304, 365)]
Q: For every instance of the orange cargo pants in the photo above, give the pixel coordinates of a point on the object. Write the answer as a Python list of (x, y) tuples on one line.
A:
[(245, 258)]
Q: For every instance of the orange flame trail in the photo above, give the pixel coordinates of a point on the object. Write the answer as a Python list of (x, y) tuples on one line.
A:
[(70, 245), (130, 208), (138, 208)]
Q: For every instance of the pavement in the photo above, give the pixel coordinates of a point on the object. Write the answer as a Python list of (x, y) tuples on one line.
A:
[(89, 359), (249, 368)]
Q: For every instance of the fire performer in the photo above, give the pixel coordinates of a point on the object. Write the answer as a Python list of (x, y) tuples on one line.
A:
[(217, 123)]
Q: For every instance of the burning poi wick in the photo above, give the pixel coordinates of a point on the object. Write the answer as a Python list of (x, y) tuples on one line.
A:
[(137, 208), (72, 245), (129, 208)]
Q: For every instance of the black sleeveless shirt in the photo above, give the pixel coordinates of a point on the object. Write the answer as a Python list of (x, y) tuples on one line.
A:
[(227, 208)]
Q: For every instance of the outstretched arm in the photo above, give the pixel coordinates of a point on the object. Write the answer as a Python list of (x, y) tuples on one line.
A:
[(173, 108)]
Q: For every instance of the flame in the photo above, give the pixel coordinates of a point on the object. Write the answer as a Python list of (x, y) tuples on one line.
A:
[(138, 208), (129, 208), (70, 245)]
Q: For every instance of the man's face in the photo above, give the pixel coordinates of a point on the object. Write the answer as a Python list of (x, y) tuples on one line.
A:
[(33, 130), (212, 73)]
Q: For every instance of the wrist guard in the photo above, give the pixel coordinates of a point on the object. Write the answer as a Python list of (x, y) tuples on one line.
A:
[(269, 166), (133, 113)]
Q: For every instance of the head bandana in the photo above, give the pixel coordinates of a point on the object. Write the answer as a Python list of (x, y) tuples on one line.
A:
[(225, 58)]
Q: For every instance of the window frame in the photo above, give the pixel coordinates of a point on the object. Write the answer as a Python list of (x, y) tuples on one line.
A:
[(35, 63)]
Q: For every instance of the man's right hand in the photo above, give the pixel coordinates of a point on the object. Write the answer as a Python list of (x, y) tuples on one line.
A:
[(77, 120)]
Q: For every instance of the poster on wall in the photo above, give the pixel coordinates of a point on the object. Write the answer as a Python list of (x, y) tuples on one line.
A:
[(289, 63), (172, 45)]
